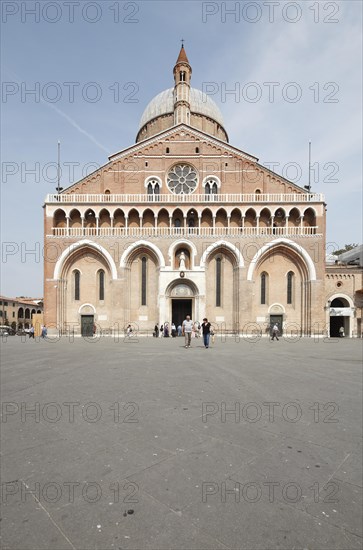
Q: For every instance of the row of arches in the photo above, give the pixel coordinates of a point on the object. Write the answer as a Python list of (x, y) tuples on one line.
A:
[(179, 217), (26, 313), (83, 247)]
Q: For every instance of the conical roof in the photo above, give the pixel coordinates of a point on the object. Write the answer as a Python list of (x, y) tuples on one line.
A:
[(182, 56)]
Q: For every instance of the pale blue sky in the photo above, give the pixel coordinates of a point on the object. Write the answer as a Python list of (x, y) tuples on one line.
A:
[(221, 49)]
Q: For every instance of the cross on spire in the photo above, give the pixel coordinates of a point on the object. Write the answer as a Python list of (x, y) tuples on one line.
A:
[(182, 41)]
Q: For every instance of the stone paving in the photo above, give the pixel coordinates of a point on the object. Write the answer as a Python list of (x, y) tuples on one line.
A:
[(147, 445)]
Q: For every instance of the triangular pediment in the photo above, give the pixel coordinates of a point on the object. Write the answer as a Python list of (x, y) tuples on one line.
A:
[(179, 143)]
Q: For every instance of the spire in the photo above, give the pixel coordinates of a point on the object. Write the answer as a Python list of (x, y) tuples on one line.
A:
[(182, 75), (182, 56)]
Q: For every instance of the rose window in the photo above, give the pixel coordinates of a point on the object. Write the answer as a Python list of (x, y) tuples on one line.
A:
[(182, 179)]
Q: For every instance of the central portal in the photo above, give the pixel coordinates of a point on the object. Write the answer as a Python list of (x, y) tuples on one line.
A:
[(180, 308)]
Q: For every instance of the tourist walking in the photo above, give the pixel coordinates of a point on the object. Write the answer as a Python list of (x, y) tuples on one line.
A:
[(173, 330), (341, 332), (44, 331), (206, 332), (275, 331), (156, 330), (180, 330), (187, 330), (31, 332)]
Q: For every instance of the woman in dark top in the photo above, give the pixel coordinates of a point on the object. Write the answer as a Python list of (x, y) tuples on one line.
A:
[(206, 332)]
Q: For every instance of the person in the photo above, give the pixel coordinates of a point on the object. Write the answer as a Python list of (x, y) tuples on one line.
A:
[(187, 330), (129, 331), (275, 331), (156, 330), (31, 332), (341, 332), (180, 330), (206, 332), (161, 331), (44, 331), (173, 330), (166, 330)]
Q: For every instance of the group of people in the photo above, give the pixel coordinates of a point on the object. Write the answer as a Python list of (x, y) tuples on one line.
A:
[(43, 333), (189, 329)]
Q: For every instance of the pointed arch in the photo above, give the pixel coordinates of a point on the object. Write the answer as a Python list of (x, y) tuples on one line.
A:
[(77, 246), (222, 244), (142, 244), (289, 244)]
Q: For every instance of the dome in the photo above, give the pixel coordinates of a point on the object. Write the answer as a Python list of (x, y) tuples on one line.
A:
[(163, 103)]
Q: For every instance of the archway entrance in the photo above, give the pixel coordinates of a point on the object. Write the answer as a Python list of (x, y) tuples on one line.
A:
[(182, 300), (180, 308), (339, 317)]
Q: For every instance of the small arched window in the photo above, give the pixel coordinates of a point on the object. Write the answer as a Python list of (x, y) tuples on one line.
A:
[(177, 222), (211, 186), (263, 288), (150, 190), (167, 150), (143, 280), (290, 284), (182, 76), (101, 285), (77, 281)]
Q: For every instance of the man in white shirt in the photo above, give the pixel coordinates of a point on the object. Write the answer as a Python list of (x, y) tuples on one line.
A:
[(187, 330)]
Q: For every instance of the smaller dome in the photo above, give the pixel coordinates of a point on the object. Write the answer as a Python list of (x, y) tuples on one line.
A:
[(163, 103)]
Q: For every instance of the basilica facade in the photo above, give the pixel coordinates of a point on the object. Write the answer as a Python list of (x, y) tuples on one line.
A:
[(184, 222)]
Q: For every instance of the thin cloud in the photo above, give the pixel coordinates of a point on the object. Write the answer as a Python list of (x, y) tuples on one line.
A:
[(61, 113)]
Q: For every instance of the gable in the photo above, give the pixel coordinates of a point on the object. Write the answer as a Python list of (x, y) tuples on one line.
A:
[(128, 170)]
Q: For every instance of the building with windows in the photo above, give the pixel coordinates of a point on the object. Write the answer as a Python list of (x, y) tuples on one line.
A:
[(183, 222), (18, 312)]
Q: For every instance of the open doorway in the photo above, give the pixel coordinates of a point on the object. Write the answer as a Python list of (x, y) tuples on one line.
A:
[(180, 308), (338, 319), (278, 320)]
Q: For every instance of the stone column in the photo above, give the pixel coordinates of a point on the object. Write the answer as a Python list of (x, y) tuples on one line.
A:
[(67, 230)]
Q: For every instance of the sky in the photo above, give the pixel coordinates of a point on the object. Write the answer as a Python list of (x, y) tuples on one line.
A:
[(282, 73)]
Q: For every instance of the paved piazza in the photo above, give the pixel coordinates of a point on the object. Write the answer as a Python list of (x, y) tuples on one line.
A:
[(146, 445)]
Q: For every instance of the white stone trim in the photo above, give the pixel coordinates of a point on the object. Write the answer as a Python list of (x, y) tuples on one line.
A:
[(75, 246), (279, 305), (147, 244), (84, 305), (225, 244), (170, 131), (341, 295), (149, 178), (291, 244), (188, 244), (212, 177)]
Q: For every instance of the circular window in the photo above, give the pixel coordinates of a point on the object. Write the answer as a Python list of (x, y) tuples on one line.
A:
[(182, 179)]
